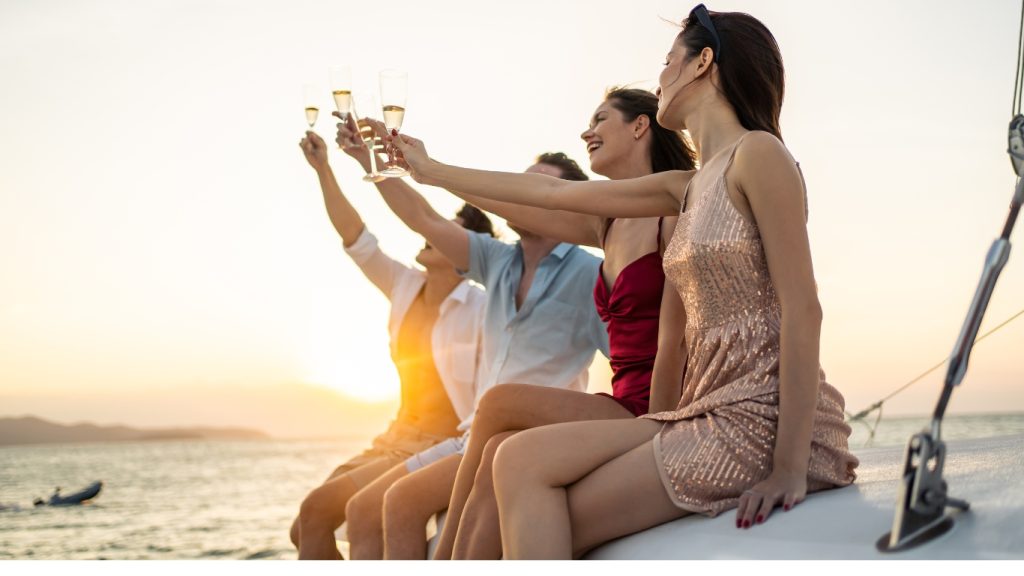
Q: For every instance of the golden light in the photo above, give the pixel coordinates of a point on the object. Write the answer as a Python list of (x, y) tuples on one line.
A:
[(355, 366)]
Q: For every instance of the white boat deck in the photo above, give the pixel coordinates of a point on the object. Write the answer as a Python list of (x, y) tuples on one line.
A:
[(845, 523)]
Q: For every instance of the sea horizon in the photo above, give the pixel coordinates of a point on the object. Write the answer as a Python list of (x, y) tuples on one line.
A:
[(220, 499)]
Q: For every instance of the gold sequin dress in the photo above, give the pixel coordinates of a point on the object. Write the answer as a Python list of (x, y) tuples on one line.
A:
[(721, 438)]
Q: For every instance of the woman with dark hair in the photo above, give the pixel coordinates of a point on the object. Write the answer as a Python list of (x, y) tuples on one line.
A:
[(623, 141), (757, 426)]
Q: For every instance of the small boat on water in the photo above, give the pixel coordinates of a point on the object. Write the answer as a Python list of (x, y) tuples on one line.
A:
[(85, 494)]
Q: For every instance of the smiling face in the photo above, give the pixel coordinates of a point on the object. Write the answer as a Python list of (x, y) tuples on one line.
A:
[(610, 138)]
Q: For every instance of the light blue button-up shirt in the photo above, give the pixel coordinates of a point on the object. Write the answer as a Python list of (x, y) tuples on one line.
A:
[(552, 339)]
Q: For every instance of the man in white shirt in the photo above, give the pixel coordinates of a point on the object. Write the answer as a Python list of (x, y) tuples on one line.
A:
[(435, 328)]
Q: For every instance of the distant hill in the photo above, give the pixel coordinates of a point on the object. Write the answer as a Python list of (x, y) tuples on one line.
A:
[(32, 430)]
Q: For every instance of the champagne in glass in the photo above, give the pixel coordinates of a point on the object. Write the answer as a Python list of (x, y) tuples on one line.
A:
[(341, 89), (312, 108), (367, 102), (393, 116), (394, 87)]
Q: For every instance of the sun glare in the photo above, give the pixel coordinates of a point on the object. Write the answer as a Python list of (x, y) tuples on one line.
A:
[(358, 381), (357, 367)]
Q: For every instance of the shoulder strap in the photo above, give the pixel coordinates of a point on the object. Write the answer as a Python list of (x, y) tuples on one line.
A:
[(686, 194), (659, 233), (732, 155)]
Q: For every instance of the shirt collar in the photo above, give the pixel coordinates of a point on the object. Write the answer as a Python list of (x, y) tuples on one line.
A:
[(560, 251), (460, 293)]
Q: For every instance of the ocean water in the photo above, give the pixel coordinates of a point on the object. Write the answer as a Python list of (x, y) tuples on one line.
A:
[(162, 500), (226, 500)]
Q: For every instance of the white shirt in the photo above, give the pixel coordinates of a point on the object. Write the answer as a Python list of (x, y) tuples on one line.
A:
[(455, 341)]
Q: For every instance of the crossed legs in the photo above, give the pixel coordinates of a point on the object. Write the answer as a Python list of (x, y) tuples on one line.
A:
[(506, 408), (565, 489)]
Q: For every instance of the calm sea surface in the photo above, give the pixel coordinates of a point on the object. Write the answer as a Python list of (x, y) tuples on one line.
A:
[(207, 500)]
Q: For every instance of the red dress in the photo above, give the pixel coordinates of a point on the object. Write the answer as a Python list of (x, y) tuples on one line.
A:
[(631, 311)]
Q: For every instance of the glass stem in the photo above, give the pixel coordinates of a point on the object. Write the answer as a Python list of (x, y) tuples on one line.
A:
[(373, 157)]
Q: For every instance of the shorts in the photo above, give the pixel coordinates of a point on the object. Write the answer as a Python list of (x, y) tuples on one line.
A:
[(389, 449), (437, 452)]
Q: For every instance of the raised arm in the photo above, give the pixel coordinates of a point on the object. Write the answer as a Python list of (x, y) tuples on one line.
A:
[(443, 234), (770, 183), (654, 195), (571, 227), (343, 216), (381, 269)]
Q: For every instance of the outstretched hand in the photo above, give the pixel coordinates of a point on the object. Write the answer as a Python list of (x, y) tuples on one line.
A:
[(413, 152), (348, 138), (315, 150), (778, 489)]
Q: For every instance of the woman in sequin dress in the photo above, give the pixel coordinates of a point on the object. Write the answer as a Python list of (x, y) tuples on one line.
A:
[(757, 426), (631, 295)]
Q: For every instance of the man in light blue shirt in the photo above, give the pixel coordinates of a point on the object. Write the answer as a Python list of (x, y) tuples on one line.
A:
[(540, 327), (548, 337)]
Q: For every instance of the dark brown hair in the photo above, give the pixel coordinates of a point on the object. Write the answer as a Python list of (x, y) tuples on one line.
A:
[(570, 169), (749, 67), (474, 220), (669, 150)]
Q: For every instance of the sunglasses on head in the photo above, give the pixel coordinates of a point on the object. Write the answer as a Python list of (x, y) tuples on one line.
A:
[(705, 20)]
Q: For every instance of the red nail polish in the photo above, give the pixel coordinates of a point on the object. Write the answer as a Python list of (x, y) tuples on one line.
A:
[(787, 507), (760, 519), (394, 132), (746, 523)]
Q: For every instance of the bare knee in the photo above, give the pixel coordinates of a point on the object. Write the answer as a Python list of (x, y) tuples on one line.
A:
[(484, 473), (322, 508), (496, 401), (512, 465), (362, 511), (295, 533), (402, 506)]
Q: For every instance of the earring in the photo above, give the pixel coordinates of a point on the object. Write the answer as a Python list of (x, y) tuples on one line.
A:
[(636, 136)]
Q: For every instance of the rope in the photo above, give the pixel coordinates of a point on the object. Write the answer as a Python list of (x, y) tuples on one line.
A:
[(872, 428), (1019, 80)]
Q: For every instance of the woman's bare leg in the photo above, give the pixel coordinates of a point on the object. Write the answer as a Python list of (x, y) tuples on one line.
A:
[(516, 407), (365, 527), (410, 503), (479, 535), (616, 487)]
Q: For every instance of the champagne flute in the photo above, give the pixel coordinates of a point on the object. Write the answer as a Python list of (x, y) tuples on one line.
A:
[(367, 101), (341, 89), (394, 87), (312, 108)]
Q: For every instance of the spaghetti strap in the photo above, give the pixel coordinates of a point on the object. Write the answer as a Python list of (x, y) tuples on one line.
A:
[(686, 195), (732, 155), (659, 233)]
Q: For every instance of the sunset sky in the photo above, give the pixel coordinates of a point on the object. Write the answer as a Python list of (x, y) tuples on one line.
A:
[(166, 258)]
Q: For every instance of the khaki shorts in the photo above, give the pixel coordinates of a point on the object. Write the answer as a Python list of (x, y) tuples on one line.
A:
[(389, 449)]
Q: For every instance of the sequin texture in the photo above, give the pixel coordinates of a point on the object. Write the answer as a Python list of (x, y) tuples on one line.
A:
[(721, 438)]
